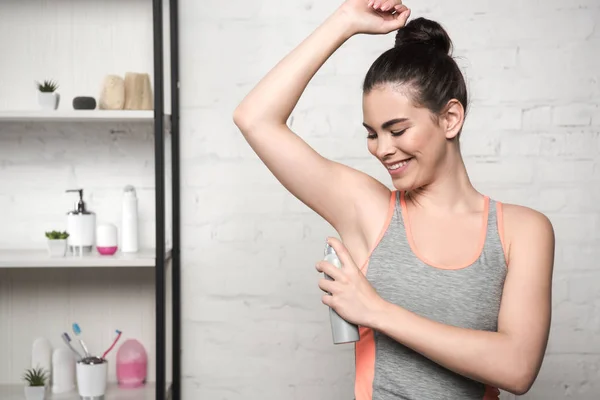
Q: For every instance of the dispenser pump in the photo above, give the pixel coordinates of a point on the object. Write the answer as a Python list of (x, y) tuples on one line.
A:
[(81, 226), (80, 205)]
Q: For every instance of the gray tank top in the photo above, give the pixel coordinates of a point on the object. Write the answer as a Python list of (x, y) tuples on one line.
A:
[(465, 296)]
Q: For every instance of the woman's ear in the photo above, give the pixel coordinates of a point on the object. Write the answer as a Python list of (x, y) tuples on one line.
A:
[(452, 118)]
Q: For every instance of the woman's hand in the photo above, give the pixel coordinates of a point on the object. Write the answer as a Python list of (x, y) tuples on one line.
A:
[(352, 296), (375, 16)]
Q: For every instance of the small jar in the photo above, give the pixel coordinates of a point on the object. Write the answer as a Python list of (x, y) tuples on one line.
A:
[(106, 239)]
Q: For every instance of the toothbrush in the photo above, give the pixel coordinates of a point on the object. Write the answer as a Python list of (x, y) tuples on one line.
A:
[(67, 339), (77, 332), (113, 344)]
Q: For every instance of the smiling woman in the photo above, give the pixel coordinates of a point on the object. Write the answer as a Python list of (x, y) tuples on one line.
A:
[(451, 289), (419, 91)]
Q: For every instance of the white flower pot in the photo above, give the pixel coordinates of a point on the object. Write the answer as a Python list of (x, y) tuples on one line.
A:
[(57, 247), (35, 392), (48, 101)]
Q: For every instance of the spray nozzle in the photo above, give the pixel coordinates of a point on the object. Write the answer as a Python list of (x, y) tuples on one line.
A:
[(329, 250)]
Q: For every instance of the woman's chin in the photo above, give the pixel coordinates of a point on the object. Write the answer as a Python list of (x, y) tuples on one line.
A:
[(402, 184), (406, 183)]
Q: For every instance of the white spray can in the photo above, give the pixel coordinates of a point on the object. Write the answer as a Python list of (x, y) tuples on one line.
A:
[(129, 224), (341, 330)]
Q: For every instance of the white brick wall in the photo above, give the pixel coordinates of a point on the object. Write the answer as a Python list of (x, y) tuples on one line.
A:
[(254, 327)]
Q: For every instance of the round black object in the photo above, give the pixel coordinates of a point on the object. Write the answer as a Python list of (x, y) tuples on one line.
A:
[(84, 103)]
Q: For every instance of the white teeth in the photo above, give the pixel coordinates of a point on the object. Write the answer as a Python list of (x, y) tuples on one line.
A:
[(398, 165)]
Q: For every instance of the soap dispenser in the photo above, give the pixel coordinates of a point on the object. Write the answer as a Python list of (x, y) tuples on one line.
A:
[(81, 226)]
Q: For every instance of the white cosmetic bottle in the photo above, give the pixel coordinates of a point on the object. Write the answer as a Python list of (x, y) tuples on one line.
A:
[(63, 371), (129, 224)]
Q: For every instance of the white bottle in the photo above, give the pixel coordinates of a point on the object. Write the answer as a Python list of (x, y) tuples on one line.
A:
[(63, 371), (41, 355), (129, 227), (81, 226)]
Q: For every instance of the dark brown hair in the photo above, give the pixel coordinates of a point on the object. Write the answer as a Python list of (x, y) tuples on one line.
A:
[(421, 61)]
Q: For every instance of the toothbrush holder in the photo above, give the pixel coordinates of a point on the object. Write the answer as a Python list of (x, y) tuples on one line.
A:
[(92, 374)]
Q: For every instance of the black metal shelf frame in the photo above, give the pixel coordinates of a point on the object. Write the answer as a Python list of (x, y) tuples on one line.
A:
[(163, 390)]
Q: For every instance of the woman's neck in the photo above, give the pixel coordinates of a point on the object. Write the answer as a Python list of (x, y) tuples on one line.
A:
[(451, 189)]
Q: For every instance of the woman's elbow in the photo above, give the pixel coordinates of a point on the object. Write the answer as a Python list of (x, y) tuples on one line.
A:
[(521, 381), (520, 387), (241, 119), (249, 121)]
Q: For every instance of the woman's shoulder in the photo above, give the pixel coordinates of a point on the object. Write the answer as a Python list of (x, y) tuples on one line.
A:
[(523, 217), (527, 228)]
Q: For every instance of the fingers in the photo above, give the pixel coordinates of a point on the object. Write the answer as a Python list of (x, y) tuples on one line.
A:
[(398, 19), (401, 8), (402, 15), (384, 5), (388, 5), (341, 251), (327, 286), (331, 270), (327, 300)]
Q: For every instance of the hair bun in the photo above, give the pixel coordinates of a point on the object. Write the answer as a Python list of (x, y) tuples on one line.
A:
[(425, 32)]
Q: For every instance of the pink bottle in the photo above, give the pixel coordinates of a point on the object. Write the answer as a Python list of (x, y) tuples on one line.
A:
[(132, 364)]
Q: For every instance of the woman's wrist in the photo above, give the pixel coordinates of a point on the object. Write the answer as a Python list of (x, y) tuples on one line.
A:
[(379, 314), (343, 21)]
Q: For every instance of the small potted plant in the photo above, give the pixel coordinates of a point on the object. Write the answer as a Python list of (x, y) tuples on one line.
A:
[(57, 243), (36, 380), (48, 98)]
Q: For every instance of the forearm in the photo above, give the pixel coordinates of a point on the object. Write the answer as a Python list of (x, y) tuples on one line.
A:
[(276, 95), (488, 357)]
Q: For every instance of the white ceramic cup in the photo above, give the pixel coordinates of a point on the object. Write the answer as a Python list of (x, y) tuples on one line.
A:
[(91, 380)]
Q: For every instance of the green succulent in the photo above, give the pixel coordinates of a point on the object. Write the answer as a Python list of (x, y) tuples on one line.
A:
[(48, 86), (35, 377), (54, 235)]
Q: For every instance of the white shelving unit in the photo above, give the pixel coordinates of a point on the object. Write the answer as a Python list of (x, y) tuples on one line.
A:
[(78, 43), (36, 258), (77, 116), (15, 392)]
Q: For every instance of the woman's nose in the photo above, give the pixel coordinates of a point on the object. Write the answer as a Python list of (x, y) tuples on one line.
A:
[(385, 146)]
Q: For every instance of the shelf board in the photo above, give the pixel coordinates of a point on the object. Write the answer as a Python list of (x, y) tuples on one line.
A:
[(113, 392), (76, 115), (36, 258)]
